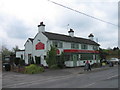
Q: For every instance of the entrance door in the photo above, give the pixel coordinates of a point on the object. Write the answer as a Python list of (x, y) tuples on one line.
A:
[(75, 59), (38, 60)]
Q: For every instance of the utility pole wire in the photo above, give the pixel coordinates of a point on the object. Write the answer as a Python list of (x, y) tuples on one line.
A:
[(83, 13)]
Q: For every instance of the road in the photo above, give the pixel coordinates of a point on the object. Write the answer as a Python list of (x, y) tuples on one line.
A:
[(93, 79)]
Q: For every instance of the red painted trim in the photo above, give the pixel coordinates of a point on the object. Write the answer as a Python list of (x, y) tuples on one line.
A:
[(79, 51)]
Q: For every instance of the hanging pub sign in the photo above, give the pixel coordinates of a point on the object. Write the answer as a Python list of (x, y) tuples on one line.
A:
[(58, 51), (40, 46)]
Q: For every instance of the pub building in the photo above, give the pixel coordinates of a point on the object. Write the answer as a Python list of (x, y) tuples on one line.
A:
[(77, 50)]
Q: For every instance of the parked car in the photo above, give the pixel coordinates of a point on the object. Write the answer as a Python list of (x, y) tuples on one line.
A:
[(114, 60), (6, 64)]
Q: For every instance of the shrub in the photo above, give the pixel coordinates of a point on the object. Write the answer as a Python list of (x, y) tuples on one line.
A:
[(96, 65), (55, 66), (61, 60), (17, 61), (51, 57), (22, 62), (32, 69)]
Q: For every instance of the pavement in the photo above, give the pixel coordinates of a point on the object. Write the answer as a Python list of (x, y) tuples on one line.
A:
[(76, 70)]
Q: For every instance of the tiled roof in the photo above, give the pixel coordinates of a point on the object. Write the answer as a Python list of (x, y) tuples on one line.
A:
[(61, 37)]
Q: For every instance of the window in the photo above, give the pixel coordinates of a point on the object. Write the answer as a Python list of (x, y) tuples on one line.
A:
[(74, 46), (86, 57), (60, 45), (97, 57), (84, 46), (95, 48), (67, 57), (57, 44)]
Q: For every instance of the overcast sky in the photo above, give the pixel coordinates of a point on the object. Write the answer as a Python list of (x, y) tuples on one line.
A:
[(19, 20)]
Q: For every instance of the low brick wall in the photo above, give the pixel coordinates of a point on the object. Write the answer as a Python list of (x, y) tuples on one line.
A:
[(18, 69)]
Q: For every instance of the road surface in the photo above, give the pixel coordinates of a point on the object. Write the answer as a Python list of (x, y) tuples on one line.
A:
[(93, 79)]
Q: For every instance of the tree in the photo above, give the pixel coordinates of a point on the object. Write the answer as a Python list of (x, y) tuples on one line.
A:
[(109, 53), (115, 48), (15, 49), (61, 60), (5, 52), (103, 53), (51, 57)]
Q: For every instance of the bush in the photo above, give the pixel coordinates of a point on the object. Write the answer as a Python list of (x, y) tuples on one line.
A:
[(17, 61), (55, 66), (22, 62), (51, 57), (96, 65), (32, 69)]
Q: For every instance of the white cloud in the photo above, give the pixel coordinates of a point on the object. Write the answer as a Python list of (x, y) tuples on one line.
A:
[(26, 15)]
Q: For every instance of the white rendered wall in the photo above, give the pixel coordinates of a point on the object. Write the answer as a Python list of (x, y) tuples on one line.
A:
[(69, 63), (19, 53), (40, 37), (28, 50)]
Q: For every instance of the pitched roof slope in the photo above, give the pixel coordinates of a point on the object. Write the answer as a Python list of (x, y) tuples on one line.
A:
[(61, 37), (31, 39)]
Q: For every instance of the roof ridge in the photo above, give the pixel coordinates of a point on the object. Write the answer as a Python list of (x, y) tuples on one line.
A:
[(68, 35), (63, 37)]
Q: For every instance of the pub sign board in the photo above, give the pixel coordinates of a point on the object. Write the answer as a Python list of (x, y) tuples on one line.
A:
[(40, 46)]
